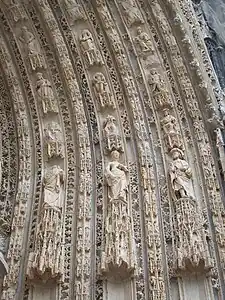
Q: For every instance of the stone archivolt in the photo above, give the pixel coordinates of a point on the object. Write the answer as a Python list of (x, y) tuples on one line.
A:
[(101, 112)]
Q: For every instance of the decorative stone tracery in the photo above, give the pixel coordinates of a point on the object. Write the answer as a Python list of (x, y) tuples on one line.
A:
[(104, 108)]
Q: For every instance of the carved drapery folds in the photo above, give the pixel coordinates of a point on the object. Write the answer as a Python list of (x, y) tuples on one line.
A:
[(89, 49), (112, 138), (190, 245), (144, 43), (54, 140), (172, 136), (46, 95), (74, 10), (131, 12), (33, 49), (118, 256), (46, 260), (159, 90), (102, 91)]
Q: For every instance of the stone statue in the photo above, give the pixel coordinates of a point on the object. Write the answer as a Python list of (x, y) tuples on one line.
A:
[(74, 10), (34, 52), (180, 175), (116, 177), (102, 91), (46, 260), (171, 132), (54, 140), (53, 179), (159, 90), (118, 254), (111, 135), (144, 41), (131, 12), (45, 92), (16, 10), (91, 54)]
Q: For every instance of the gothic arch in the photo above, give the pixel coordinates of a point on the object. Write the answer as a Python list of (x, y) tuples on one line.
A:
[(111, 185)]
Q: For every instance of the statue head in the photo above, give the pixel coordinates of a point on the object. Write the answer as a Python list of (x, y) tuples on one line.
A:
[(99, 77), (39, 75), (176, 153), (86, 35), (139, 30), (115, 155), (24, 29), (110, 119)]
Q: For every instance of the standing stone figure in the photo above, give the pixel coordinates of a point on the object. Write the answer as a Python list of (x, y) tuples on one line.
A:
[(34, 52), (46, 261), (74, 10), (54, 140), (118, 256), (117, 178), (159, 90), (112, 138), (190, 246), (180, 175), (171, 133), (102, 91), (46, 95), (91, 53)]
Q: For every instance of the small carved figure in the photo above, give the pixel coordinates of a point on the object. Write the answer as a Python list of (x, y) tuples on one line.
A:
[(131, 12), (16, 10), (180, 175), (74, 10), (171, 132), (92, 55), (34, 52), (111, 135), (45, 92), (101, 90), (144, 41), (159, 90), (219, 138), (54, 140), (116, 177)]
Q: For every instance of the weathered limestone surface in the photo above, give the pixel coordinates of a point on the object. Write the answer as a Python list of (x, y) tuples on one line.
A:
[(112, 158)]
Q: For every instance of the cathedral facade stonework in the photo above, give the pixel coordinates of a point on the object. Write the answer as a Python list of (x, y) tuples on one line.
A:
[(112, 157)]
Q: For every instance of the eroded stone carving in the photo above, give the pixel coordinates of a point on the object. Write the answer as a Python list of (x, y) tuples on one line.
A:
[(15, 9), (118, 256), (54, 140), (190, 243), (159, 90), (46, 95), (91, 53), (131, 12), (34, 52), (74, 10), (112, 138), (46, 261), (221, 148), (180, 175), (172, 135), (102, 91), (144, 42)]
